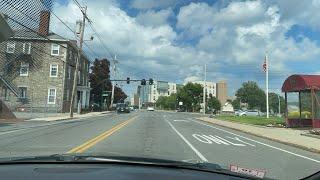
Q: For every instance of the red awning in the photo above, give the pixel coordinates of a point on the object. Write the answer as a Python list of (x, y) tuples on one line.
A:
[(301, 82)]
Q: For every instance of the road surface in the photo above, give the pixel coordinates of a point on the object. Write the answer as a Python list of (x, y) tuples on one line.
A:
[(166, 135)]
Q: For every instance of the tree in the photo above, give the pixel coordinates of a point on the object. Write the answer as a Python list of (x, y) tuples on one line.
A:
[(236, 103), (214, 103), (99, 75), (274, 103), (191, 96), (167, 102), (100, 81), (251, 94), (119, 95)]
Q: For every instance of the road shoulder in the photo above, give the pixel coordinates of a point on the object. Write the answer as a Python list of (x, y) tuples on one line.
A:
[(286, 136)]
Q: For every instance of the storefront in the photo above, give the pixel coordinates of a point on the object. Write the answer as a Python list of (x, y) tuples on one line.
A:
[(302, 98)]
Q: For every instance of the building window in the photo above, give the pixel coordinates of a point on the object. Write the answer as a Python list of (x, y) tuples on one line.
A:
[(23, 92), (5, 93), (69, 72), (55, 48), (53, 70), (24, 69), (10, 47), (26, 48), (52, 96)]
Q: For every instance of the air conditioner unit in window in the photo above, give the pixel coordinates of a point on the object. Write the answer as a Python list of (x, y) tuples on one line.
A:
[(5, 30)]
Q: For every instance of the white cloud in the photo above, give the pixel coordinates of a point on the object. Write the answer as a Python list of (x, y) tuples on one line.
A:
[(237, 34), (147, 4), (153, 18), (192, 79), (196, 18), (300, 12)]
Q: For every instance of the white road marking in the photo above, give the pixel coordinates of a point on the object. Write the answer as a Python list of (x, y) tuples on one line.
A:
[(209, 139), (258, 142), (235, 144), (42, 125), (8, 132), (180, 120), (202, 139), (238, 139), (188, 143)]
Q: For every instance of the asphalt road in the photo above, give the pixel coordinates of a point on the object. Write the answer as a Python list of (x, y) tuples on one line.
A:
[(165, 135)]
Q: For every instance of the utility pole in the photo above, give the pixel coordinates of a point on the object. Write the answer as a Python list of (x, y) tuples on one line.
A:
[(279, 105), (74, 87), (267, 84), (204, 89), (114, 74)]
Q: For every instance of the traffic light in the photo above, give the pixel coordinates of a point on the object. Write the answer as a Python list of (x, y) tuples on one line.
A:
[(143, 82), (128, 80), (150, 81)]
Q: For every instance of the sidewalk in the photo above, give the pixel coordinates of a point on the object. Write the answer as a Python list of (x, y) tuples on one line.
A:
[(291, 137), (67, 116)]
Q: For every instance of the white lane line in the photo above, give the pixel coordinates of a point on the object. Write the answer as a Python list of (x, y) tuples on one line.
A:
[(8, 132), (180, 120), (258, 142), (188, 143), (44, 125)]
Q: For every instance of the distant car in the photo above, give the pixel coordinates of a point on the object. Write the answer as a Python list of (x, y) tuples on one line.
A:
[(250, 113), (123, 108), (131, 108), (237, 112), (150, 108)]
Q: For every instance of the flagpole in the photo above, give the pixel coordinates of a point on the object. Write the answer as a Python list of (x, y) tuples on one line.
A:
[(267, 84)]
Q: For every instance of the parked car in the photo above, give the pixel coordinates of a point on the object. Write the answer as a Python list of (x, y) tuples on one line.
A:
[(123, 108), (150, 108), (131, 108), (237, 112), (250, 113)]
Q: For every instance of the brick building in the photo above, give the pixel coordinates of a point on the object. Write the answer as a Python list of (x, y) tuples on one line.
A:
[(37, 69)]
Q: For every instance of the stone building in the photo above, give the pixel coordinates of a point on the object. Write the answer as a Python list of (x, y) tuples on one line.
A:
[(37, 69)]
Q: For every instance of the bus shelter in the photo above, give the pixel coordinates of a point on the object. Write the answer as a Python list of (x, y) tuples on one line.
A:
[(302, 98)]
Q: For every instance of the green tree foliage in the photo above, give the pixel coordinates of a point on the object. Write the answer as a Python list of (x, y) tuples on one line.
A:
[(99, 74), (167, 102), (274, 103), (236, 103), (191, 96), (100, 81), (214, 103), (253, 95)]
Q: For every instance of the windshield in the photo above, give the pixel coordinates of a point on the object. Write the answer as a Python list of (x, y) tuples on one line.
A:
[(232, 83)]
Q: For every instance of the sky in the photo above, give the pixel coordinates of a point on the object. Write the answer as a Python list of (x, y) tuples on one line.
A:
[(171, 40)]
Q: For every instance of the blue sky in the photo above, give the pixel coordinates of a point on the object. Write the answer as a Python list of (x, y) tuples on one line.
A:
[(172, 39)]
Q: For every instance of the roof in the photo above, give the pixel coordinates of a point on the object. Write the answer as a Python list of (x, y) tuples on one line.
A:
[(28, 34), (298, 82)]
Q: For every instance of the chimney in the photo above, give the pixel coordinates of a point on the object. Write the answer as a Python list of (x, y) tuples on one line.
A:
[(44, 23)]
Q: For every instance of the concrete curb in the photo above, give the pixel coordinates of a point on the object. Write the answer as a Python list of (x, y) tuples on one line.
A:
[(310, 135), (67, 118), (266, 137)]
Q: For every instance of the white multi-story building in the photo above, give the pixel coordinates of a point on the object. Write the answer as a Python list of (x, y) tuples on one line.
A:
[(210, 87), (151, 93)]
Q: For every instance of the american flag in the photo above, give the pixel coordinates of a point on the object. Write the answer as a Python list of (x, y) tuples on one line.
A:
[(264, 65)]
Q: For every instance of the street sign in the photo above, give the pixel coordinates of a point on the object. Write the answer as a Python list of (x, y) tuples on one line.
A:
[(180, 103), (105, 95)]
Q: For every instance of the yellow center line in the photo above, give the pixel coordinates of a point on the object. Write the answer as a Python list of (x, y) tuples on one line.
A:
[(97, 139)]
